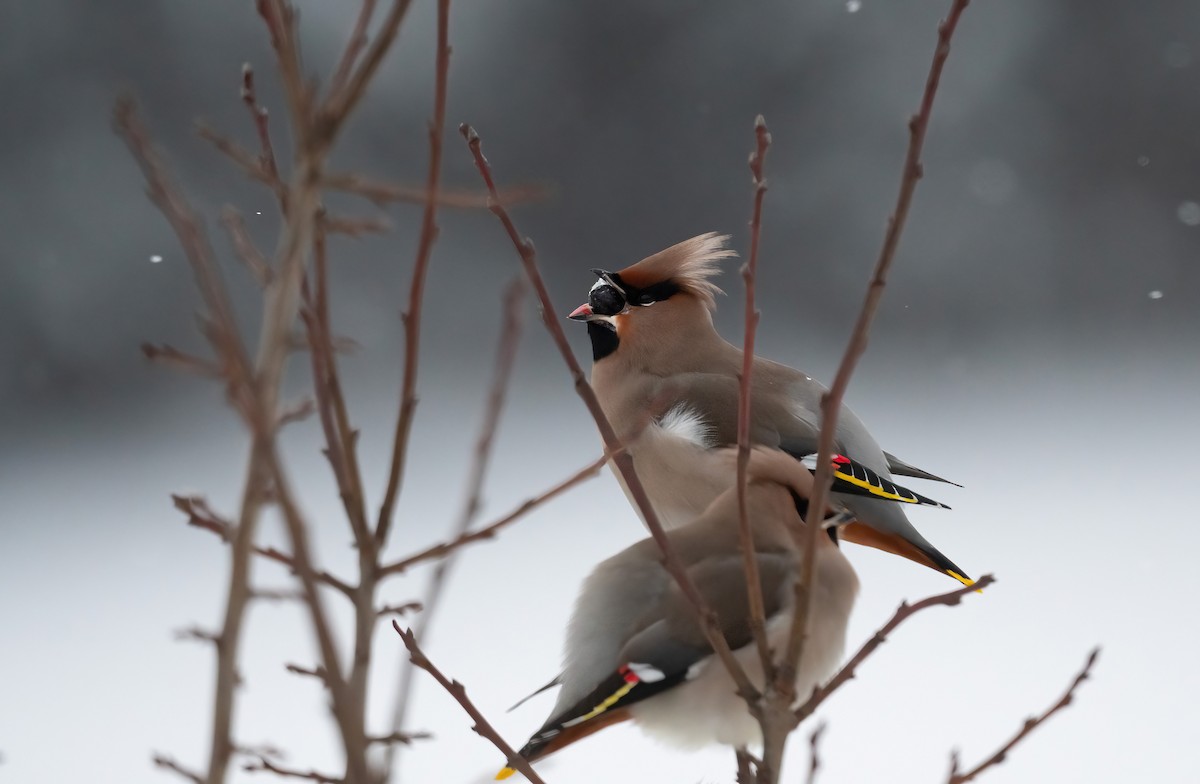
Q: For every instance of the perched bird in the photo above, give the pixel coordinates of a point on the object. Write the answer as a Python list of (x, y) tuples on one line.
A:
[(653, 339), (635, 649)]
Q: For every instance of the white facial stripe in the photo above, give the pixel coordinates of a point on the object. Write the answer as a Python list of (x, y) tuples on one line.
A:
[(599, 282)]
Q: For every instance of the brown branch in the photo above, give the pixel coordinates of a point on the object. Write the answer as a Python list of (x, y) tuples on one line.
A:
[(275, 595), (621, 459), (1029, 726), (244, 248), (383, 193), (264, 765), (170, 764), (831, 401), (429, 234), (489, 531), (757, 611), (196, 634), (296, 412), (506, 354), (459, 693), (399, 609), (242, 157), (173, 357), (280, 20), (401, 738), (903, 613), (341, 102), (355, 226), (354, 46), (290, 562), (261, 119), (309, 672)]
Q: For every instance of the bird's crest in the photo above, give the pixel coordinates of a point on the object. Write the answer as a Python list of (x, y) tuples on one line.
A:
[(689, 265)]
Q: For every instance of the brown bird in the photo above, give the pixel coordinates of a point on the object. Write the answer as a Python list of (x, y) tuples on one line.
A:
[(653, 339), (634, 649)]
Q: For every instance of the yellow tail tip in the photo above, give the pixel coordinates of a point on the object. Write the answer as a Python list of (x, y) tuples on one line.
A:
[(967, 581), (505, 773)]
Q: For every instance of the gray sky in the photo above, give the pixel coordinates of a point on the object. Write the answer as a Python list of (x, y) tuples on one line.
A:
[(1038, 343)]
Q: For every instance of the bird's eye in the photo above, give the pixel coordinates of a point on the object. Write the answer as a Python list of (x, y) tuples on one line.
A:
[(606, 301)]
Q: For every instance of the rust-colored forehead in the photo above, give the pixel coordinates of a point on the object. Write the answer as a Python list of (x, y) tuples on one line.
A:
[(639, 277)]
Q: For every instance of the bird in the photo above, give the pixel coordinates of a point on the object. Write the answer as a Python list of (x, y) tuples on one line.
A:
[(635, 650), (654, 344)]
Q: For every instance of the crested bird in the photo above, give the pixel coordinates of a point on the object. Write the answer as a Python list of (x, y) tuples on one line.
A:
[(635, 649), (653, 339)]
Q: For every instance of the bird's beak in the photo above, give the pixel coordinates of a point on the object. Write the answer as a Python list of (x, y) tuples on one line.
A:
[(581, 313), (923, 553)]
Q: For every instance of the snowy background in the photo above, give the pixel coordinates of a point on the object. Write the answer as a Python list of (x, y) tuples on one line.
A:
[(1038, 344)]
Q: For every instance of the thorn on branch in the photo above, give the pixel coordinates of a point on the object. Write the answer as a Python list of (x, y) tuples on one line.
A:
[(167, 763), (402, 738), (173, 357), (196, 634), (317, 672), (297, 412), (201, 515), (399, 609), (263, 764)]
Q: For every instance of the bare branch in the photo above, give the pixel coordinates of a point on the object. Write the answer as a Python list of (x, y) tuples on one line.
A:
[(264, 764), (173, 357), (354, 46), (261, 119), (459, 693), (382, 193), (245, 160), (244, 248), (196, 634), (401, 738), (343, 101), (275, 595), (757, 611), (429, 234), (831, 401), (399, 609), (170, 764), (354, 226), (903, 613), (296, 412), (1029, 726), (202, 516), (308, 672), (290, 562), (488, 531), (621, 459)]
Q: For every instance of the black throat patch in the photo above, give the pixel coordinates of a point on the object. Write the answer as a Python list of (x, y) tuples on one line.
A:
[(604, 339)]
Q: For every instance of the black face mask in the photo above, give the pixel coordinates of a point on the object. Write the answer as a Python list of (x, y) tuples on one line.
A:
[(606, 300)]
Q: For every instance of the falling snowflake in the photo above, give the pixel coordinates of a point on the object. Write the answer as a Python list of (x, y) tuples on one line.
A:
[(1143, 160), (1189, 213), (155, 259), (1156, 294), (853, 6)]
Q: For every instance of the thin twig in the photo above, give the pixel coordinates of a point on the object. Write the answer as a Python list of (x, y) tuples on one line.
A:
[(399, 609), (459, 692), (356, 226), (290, 562), (170, 764), (261, 119), (416, 292), (757, 611), (308, 672), (443, 549), (264, 765), (244, 248), (354, 46), (1029, 726), (506, 354), (903, 613), (831, 401), (173, 357), (401, 738), (196, 634), (382, 193), (621, 459)]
